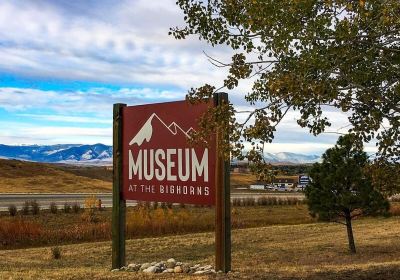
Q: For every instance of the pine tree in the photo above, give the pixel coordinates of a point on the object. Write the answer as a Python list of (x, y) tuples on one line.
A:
[(341, 189)]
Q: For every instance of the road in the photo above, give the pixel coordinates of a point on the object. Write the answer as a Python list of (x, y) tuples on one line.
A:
[(60, 199)]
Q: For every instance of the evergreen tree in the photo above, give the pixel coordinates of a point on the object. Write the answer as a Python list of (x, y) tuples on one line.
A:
[(340, 188)]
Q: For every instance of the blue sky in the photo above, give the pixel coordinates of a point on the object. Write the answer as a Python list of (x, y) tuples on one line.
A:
[(64, 63)]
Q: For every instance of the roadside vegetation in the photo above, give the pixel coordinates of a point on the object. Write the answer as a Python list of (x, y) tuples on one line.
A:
[(299, 251)]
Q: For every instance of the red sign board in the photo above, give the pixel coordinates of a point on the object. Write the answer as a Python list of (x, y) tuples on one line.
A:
[(158, 162)]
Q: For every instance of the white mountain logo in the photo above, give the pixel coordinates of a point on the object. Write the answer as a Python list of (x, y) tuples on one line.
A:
[(146, 131)]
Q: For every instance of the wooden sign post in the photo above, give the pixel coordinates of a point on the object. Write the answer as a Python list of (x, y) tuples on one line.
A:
[(222, 204), (153, 161), (119, 204)]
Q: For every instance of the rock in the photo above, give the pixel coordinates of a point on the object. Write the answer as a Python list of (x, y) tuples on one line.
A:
[(185, 268), (150, 269), (207, 267), (145, 266), (178, 269), (203, 272), (133, 267), (178, 263), (171, 263), (153, 263), (169, 270), (115, 270)]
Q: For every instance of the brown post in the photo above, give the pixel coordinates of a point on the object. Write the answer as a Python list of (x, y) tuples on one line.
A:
[(222, 203), (119, 205)]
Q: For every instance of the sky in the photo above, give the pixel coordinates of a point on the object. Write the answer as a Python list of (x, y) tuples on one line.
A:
[(64, 63)]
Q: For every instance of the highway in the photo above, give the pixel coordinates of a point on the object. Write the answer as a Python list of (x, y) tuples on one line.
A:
[(45, 199)]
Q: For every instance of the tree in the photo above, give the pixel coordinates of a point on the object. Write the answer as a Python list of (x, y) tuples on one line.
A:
[(303, 55), (340, 188)]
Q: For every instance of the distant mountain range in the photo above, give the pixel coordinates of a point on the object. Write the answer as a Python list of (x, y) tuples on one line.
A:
[(100, 154), (97, 154)]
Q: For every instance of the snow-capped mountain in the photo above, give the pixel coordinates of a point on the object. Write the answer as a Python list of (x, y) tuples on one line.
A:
[(283, 157), (68, 153), (100, 154)]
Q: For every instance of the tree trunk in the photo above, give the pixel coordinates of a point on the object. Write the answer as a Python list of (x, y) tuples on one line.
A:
[(349, 227)]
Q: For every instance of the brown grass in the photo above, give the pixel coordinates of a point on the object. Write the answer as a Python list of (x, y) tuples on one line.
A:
[(308, 251), (31, 177), (62, 228), (242, 179)]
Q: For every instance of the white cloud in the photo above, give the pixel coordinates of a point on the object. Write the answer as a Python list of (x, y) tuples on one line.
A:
[(27, 133), (97, 101), (128, 42)]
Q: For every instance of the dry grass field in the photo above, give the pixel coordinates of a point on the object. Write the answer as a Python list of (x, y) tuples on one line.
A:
[(306, 251), (65, 228), (33, 177)]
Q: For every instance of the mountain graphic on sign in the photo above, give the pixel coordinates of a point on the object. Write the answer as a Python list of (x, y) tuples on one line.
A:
[(146, 132)]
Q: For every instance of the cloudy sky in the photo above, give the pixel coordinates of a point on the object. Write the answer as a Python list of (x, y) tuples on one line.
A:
[(64, 63)]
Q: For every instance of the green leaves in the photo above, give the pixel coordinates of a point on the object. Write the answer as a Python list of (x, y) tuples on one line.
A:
[(311, 54)]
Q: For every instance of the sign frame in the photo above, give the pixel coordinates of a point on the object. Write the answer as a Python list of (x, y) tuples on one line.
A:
[(222, 197)]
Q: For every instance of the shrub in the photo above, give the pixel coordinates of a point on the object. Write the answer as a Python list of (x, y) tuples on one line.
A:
[(76, 207), (99, 205), (236, 201), (53, 208), (67, 207), (56, 253), (35, 207), (170, 205), (249, 201), (182, 205), (395, 198), (26, 208), (18, 231), (163, 205), (394, 210), (155, 205), (90, 208), (12, 209), (147, 204)]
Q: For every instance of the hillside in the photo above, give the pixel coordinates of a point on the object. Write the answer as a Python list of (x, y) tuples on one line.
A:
[(33, 177), (21, 176)]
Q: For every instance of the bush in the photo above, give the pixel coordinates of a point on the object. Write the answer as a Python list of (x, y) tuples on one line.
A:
[(67, 207), (237, 201), (35, 207), (394, 210), (182, 205), (53, 208), (147, 204), (18, 231), (249, 201), (56, 253), (76, 207), (155, 205), (90, 210), (12, 209), (26, 208)]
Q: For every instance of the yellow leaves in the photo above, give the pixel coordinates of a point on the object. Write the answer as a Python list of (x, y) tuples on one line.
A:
[(362, 3)]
